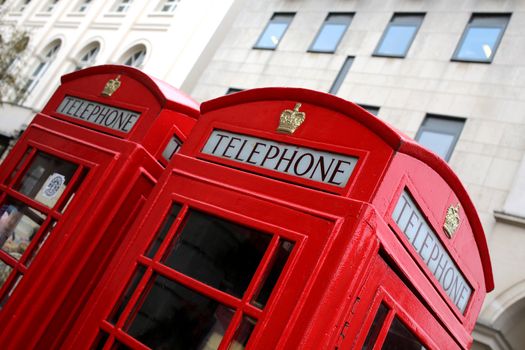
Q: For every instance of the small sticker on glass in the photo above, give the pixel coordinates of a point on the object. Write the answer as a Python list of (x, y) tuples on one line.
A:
[(53, 185)]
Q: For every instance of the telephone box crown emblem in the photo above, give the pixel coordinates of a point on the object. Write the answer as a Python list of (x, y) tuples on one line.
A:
[(451, 220), (291, 120), (111, 86)]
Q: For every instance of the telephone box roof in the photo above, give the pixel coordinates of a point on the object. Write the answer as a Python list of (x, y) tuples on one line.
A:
[(395, 139), (168, 96)]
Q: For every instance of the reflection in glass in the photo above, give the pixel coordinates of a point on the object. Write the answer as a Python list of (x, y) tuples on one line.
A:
[(437, 142), (331, 32), (46, 178), (281, 256), (168, 222), (400, 338), (177, 318), (478, 43), (217, 252), (123, 301), (243, 334), (18, 226), (371, 338), (274, 31), (5, 271), (399, 35)]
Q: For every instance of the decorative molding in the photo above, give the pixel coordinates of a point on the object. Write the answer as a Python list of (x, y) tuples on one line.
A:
[(510, 219), (491, 337)]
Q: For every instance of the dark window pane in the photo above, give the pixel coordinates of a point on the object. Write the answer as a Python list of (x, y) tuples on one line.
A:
[(440, 134), (18, 225), (370, 109), (177, 318), (280, 259), (124, 299), (481, 38), (46, 178), (14, 282), (168, 222), (240, 340), (376, 327), (233, 90), (400, 338), (341, 75), (274, 31), (399, 35), (99, 343), (217, 252), (331, 32), (4, 144)]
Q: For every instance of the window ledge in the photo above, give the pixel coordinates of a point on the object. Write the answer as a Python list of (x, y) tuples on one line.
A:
[(509, 218), (115, 14), (455, 59), (160, 14), (43, 14), (76, 14)]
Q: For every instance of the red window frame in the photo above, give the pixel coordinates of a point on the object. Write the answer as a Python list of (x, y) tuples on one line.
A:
[(53, 214)]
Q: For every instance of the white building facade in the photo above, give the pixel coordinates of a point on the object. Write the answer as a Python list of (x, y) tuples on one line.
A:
[(449, 73), (169, 39)]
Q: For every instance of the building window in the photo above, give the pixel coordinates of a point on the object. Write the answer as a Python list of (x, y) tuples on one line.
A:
[(83, 5), (274, 31), (168, 5), (440, 134), (341, 75), (370, 109), (22, 5), (122, 5), (50, 6), (45, 61), (331, 33), (398, 35), (232, 90), (136, 57), (481, 38), (87, 57)]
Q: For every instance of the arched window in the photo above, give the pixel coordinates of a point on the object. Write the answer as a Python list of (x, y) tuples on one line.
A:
[(47, 57), (87, 56), (135, 56)]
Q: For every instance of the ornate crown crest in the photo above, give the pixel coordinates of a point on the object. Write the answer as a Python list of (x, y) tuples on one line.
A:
[(451, 220), (291, 120), (111, 86)]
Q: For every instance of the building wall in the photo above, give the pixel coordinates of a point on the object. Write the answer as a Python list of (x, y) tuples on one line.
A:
[(491, 97), (175, 41)]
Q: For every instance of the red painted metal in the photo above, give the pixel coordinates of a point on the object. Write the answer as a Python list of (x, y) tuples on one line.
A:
[(346, 254), (117, 171)]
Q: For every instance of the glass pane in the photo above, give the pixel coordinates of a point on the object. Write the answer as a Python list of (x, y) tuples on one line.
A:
[(217, 252), (19, 165), (243, 333), (400, 338), (13, 285), (5, 271), (137, 276), (43, 239), (397, 40), (18, 226), (281, 256), (329, 37), (479, 44), (177, 318), (72, 193), (171, 148), (46, 178), (376, 327), (272, 35), (168, 222), (439, 143)]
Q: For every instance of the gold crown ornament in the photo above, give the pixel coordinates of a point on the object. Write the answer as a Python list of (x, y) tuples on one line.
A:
[(451, 220), (111, 86), (291, 120)]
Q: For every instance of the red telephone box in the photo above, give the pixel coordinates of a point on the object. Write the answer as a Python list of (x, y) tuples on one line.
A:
[(72, 186), (293, 219)]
